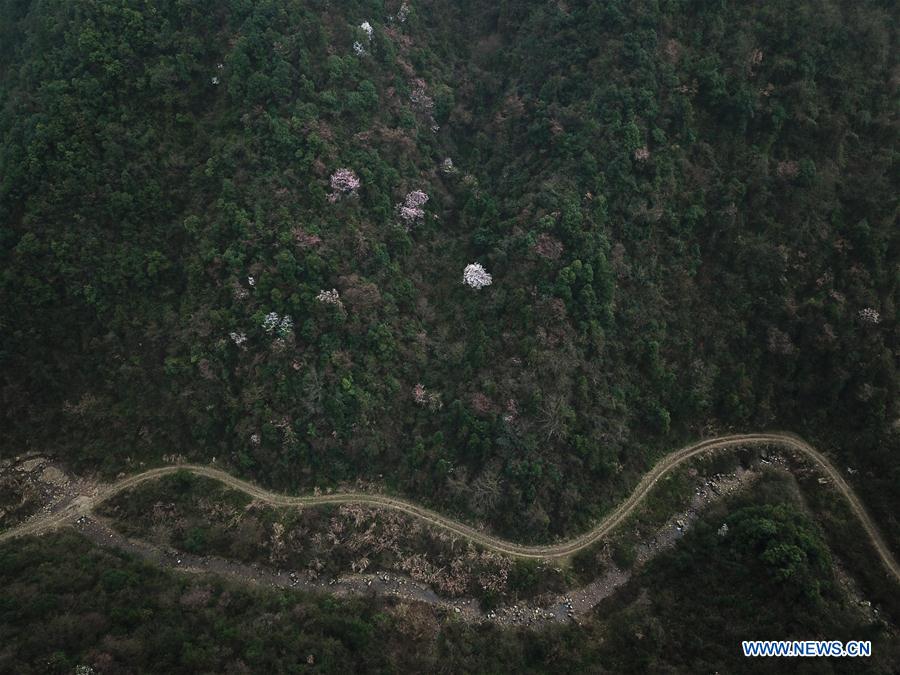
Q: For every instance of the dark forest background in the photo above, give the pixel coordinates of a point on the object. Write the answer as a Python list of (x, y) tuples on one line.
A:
[(689, 210)]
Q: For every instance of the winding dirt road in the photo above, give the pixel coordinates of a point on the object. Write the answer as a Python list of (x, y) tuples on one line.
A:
[(84, 504)]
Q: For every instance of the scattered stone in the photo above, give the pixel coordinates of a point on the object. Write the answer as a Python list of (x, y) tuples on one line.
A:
[(54, 476), (31, 464)]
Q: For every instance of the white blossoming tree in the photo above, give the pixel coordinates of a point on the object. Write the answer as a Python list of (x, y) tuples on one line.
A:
[(475, 276), (271, 322), (282, 326), (419, 96), (285, 327), (869, 315), (331, 297), (424, 397)]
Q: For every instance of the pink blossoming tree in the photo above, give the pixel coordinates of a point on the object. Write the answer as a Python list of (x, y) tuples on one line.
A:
[(411, 211), (343, 183)]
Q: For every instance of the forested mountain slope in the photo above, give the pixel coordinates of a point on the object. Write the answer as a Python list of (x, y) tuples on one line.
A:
[(688, 211)]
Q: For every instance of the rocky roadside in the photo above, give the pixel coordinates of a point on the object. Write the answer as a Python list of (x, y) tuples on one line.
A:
[(570, 606), (56, 494)]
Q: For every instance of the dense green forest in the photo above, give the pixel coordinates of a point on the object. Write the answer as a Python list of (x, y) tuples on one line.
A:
[(687, 208), (66, 603)]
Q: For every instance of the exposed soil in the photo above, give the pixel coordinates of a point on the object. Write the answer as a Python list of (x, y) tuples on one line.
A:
[(561, 608), (70, 501), (31, 488)]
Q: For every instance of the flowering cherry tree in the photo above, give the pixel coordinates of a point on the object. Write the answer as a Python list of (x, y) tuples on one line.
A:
[(419, 394), (331, 297), (869, 315), (358, 47), (476, 276), (416, 199), (282, 326), (271, 322), (411, 211), (286, 327), (343, 182), (423, 397), (419, 96)]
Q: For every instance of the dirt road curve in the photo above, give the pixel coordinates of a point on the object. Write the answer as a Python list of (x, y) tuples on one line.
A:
[(83, 505)]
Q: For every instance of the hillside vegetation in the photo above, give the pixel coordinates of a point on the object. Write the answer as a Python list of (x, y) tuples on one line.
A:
[(687, 209), (67, 603)]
